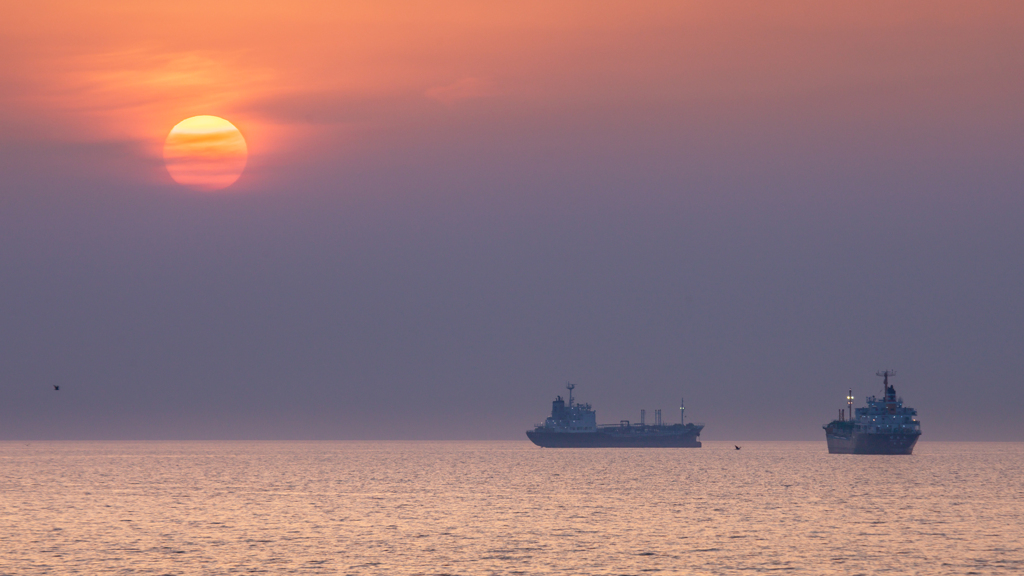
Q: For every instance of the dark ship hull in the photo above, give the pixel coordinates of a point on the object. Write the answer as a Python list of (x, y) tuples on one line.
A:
[(621, 437), (860, 443)]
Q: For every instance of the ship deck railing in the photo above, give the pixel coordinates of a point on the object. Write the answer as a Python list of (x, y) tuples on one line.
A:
[(635, 425), (638, 425)]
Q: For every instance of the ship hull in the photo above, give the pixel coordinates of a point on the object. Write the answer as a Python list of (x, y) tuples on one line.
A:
[(871, 443), (605, 440)]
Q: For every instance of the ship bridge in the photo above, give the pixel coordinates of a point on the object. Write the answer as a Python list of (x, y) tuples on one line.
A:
[(886, 415), (574, 418)]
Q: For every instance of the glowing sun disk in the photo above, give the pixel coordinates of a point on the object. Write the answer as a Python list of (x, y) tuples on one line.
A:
[(205, 152)]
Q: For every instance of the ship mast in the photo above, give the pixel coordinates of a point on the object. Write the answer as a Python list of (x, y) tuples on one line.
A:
[(849, 403), (885, 382), (885, 374), (570, 386), (682, 410)]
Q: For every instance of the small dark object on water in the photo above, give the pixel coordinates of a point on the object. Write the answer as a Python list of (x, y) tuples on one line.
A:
[(737, 447), (55, 387)]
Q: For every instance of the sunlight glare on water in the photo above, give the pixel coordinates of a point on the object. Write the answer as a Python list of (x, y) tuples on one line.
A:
[(507, 508)]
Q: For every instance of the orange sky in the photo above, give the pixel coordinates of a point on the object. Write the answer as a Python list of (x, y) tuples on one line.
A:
[(295, 75)]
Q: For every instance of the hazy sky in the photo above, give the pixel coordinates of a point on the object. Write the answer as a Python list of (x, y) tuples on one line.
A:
[(452, 208)]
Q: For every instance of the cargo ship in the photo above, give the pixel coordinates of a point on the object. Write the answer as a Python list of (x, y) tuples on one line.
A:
[(575, 426), (884, 426)]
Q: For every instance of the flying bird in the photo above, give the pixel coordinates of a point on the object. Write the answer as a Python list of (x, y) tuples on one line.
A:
[(55, 387), (737, 447)]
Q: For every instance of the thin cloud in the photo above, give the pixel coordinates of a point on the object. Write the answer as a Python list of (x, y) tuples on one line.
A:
[(468, 88), (123, 93)]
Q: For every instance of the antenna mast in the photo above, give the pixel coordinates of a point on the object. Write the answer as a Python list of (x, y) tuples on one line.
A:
[(885, 382)]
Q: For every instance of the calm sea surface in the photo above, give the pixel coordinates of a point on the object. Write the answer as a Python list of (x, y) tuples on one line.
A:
[(507, 508)]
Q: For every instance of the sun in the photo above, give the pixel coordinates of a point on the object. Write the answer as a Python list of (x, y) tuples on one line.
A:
[(206, 153)]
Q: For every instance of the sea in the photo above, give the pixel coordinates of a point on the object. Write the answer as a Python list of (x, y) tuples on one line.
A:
[(479, 508)]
